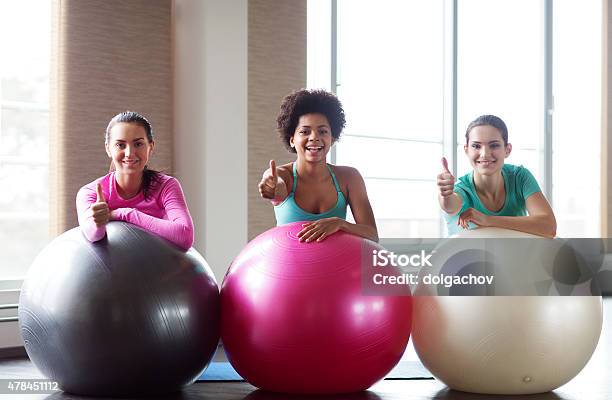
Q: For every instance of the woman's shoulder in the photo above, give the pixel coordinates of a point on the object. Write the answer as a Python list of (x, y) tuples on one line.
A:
[(348, 177), (163, 178), (165, 181), (517, 171), (344, 171), (514, 168)]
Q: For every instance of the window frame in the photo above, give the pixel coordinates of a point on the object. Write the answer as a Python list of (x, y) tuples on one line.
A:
[(450, 140)]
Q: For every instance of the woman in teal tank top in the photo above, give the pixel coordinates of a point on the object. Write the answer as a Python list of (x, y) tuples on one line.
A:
[(309, 189), (494, 193)]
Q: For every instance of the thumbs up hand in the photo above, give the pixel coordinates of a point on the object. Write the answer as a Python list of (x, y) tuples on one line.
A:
[(269, 181), (100, 210), (446, 180)]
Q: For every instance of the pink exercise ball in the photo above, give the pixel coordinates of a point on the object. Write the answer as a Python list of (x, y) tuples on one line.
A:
[(294, 318)]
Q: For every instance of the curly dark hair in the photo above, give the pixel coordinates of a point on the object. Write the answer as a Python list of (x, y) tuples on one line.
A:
[(308, 101)]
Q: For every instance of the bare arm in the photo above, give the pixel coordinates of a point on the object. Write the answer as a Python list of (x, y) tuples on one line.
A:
[(450, 204), (540, 221), (365, 224)]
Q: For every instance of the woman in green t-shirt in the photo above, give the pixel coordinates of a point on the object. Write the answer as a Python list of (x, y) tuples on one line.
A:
[(493, 194)]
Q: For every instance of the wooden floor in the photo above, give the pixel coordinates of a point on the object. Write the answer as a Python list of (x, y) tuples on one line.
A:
[(593, 383)]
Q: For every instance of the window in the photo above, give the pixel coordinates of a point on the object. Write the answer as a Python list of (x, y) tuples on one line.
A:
[(576, 121), (25, 41), (500, 71), (383, 90), (412, 75)]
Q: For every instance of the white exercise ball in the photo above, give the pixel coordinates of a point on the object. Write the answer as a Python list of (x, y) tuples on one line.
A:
[(505, 344)]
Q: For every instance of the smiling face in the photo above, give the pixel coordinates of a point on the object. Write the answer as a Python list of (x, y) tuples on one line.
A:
[(312, 138), (486, 150), (129, 148)]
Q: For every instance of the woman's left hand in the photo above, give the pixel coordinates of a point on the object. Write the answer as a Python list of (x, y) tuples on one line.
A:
[(474, 216), (319, 230)]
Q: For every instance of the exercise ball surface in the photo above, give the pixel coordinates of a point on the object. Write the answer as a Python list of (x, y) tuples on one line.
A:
[(505, 345), (295, 320), (129, 315)]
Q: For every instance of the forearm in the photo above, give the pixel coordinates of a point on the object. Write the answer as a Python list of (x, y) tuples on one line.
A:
[(363, 230), (92, 232), (541, 225), (450, 204), (179, 232)]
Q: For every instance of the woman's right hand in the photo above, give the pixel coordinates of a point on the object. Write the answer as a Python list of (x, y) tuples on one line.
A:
[(446, 180), (269, 181), (100, 210)]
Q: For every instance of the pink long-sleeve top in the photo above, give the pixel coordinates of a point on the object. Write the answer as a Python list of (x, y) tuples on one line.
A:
[(163, 213)]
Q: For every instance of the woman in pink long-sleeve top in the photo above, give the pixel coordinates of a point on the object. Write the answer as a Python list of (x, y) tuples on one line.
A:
[(132, 192)]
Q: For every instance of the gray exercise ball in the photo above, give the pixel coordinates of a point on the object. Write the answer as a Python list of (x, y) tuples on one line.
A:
[(130, 315)]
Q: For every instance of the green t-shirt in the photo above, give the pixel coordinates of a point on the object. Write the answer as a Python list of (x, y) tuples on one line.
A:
[(519, 184)]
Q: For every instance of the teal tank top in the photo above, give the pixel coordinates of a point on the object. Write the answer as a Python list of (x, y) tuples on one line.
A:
[(519, 183), (288, 211)]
